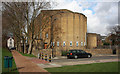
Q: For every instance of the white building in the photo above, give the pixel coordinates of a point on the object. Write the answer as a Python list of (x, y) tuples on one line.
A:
[(10, 43)]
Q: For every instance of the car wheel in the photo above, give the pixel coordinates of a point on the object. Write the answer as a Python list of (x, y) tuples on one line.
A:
[(75, 56), (89, 56)]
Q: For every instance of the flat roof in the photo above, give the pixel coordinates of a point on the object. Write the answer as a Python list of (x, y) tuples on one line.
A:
[(63, 10)]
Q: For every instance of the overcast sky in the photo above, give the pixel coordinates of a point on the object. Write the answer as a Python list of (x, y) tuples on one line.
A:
[(100, 14)]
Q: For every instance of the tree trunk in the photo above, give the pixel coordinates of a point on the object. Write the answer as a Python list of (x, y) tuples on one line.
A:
[(19, 47), (25, 49), (30, 47)]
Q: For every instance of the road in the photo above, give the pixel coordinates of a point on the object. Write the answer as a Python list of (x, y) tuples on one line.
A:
[(63, 61), (94, 58)]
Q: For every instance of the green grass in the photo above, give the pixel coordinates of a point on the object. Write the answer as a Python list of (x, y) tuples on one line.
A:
[(95, 67), (5, 52), (28, 55)]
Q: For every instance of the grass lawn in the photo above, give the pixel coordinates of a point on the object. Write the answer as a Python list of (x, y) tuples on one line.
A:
[(5, 52), (28, 55), (95, 67)]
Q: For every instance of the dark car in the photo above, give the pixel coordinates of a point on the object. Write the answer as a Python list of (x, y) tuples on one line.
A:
[(78, 54)]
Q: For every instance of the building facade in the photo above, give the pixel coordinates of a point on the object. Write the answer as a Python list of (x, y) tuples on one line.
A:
[(10, 43), (91, 40), (66, 30)]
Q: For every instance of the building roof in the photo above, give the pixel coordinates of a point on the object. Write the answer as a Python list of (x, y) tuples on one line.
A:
[(64, 11), (92, 33)]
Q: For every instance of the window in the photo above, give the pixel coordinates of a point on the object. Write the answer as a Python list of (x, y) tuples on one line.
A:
[(78, 51), (64, 43), (53, 43), (40, 35), (82, 51), (81, 43), (84, 44), (72, 51), (70, 43), (10, 42), (77, 43), (47, 35), (10, 39), (57, 43)]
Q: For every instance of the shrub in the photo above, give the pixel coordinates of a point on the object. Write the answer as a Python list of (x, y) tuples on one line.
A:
[(106, 43), (64, 53)]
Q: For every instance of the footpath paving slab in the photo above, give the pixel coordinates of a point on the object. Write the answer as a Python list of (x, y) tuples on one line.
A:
[(37, 61), (25, 65), (60, 64)]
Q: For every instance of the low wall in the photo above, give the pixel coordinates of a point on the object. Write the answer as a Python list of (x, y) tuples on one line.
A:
[(92, 51), (44, 51), (99, 51)]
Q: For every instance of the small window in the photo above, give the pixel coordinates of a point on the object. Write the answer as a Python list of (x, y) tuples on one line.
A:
[(53, 43), (10, 39), (84, 44), (70, 43), (64, 43), (47, 35), (40, 35), (81, 43), (57, 43), (77, 43), (10, 42)]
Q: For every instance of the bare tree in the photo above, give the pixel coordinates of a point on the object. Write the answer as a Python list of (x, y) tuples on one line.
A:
[(14, 13), (115, 34), (22, 18)]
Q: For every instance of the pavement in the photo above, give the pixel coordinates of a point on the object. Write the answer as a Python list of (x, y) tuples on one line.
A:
[(25, 65), (63, 61), (32, 64)]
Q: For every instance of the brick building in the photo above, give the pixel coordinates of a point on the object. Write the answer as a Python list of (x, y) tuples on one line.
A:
[(91, 40), (67, 30)]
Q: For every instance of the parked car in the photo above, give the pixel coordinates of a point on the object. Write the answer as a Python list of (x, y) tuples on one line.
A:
[(78, 54)]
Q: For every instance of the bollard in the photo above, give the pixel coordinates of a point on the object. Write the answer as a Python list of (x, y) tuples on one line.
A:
[(45, 57), (42, 56), (38, 56), (50, 58)]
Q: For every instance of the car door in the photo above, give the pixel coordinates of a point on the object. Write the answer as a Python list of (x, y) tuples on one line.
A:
[(79, 54), (84, 54)]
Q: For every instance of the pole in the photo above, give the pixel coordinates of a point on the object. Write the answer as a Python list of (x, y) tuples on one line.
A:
[(52, 51)]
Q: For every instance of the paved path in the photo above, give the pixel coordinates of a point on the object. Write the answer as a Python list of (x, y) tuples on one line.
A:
[(25, 65), (63, 61), (94, 58)]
